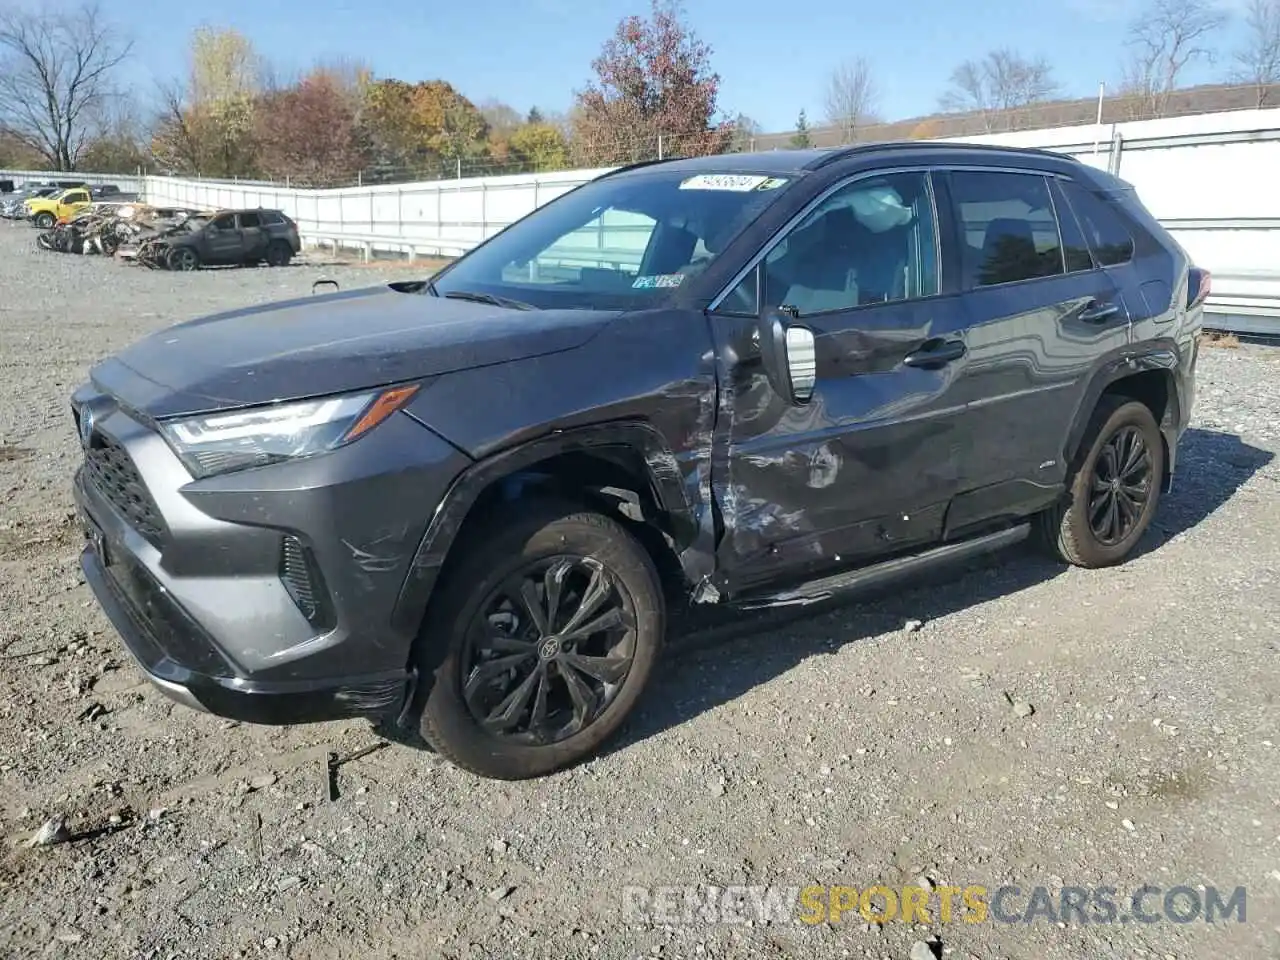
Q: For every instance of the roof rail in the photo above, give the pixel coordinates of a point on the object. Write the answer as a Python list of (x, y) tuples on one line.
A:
[(843, 153)]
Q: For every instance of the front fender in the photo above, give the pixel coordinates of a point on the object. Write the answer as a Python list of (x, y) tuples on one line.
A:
[(663, 475)]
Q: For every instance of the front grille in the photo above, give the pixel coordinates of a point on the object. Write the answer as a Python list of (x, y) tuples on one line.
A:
[(111, 472)]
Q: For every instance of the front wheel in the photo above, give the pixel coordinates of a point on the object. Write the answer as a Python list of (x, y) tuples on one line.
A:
[(553, 619), (183, 258), (1114, 491), (45, 221)]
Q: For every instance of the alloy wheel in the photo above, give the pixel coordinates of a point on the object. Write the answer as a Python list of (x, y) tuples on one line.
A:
[(1121, 486), (549, 650)]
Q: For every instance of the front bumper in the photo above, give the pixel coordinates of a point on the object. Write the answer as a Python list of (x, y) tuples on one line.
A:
[(195, 577)]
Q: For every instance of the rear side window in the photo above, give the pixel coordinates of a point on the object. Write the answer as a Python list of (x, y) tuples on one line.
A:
[(271, 217), (1008, 229), (248, 220), (1103, 226)]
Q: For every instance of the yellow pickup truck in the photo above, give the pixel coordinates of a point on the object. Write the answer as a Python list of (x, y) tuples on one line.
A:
[(44, 212)]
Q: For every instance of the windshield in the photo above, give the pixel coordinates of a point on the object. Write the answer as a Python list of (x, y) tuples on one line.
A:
[(618, 243)]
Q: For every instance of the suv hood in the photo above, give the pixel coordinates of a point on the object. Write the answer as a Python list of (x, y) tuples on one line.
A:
[(329, 344)]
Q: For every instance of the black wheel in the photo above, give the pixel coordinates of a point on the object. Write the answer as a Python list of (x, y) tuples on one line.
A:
[(553, 620), (45, 221), (279, 254), (183, 258), (1114, 490)]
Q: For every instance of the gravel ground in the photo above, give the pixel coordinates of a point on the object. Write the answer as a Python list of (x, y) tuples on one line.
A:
[(1042, 727)]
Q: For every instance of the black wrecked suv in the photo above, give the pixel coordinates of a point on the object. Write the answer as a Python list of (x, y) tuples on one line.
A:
[(467, 504)]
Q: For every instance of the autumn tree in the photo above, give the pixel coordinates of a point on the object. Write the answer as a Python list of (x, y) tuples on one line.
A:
[(207, 124), (540, 147), (308, 132), (851, 97), (56, 75), (1257, 61), (800, 140), (118, 143), (654, 90), (1168, 37), (997, 84), (502, 120), (426, 126)]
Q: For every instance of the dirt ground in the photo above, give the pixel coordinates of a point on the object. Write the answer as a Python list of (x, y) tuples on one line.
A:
[(1042, 727)]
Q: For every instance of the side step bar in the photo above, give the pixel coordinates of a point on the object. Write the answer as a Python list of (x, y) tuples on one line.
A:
[(876, 574)]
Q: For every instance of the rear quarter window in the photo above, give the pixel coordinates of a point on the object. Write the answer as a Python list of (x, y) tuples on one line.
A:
[(1103, 225)]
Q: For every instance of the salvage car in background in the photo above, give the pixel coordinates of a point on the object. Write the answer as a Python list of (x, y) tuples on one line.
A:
[(44, 212), (14, 207), (224, 238)]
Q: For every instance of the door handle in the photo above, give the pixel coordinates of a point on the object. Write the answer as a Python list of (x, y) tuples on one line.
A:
[(1096, 311), (935, 354)]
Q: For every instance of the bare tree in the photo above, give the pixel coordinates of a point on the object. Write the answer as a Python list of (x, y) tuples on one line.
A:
[(1166, 38), (999, 83), (55, 78), (851, 98), (1258, 60)]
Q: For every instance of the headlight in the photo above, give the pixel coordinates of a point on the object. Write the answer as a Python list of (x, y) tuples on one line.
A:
[(223, 442)]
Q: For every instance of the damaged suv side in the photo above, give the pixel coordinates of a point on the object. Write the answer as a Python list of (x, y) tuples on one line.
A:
[(469, 503)]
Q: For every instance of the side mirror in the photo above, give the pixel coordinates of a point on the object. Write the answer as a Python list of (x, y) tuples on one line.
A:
[(790, 357)]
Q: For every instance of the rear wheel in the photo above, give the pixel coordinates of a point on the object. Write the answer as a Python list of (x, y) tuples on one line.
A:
[(279, 254), (1114, 490), (183, 258), (553, 619)]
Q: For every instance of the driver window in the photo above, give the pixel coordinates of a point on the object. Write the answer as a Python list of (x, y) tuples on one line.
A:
[(870, 242), (225, 222)]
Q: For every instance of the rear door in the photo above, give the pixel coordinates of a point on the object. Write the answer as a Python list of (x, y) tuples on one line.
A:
[(253, 236), (1040, 315), (868, 464)]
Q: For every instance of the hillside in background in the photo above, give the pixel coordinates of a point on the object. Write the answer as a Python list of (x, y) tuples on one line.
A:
[(1212, 98)]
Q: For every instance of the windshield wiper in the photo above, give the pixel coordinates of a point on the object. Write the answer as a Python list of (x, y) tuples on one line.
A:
[(489, 298)]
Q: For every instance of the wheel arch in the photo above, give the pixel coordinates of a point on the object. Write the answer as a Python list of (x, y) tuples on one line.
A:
[(1147, 378), (626, 469)]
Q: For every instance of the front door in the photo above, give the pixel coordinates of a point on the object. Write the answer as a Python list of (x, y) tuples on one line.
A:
[(869, 463), (223, 245)]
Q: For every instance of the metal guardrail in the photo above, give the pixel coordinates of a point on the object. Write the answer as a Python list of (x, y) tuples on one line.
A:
[(1244, 301)]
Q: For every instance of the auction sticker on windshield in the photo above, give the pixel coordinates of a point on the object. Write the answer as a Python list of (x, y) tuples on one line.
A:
[(737, 182)]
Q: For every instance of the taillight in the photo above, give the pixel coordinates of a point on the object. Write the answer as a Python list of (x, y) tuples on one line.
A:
[(1199, 283)]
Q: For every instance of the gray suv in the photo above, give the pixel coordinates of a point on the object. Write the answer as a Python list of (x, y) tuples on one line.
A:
[(467, 505)]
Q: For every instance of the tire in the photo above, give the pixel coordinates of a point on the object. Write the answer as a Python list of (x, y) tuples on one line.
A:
[(183, 258), (279, 254), (1074, 531), (537, 543), (44, 221)]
